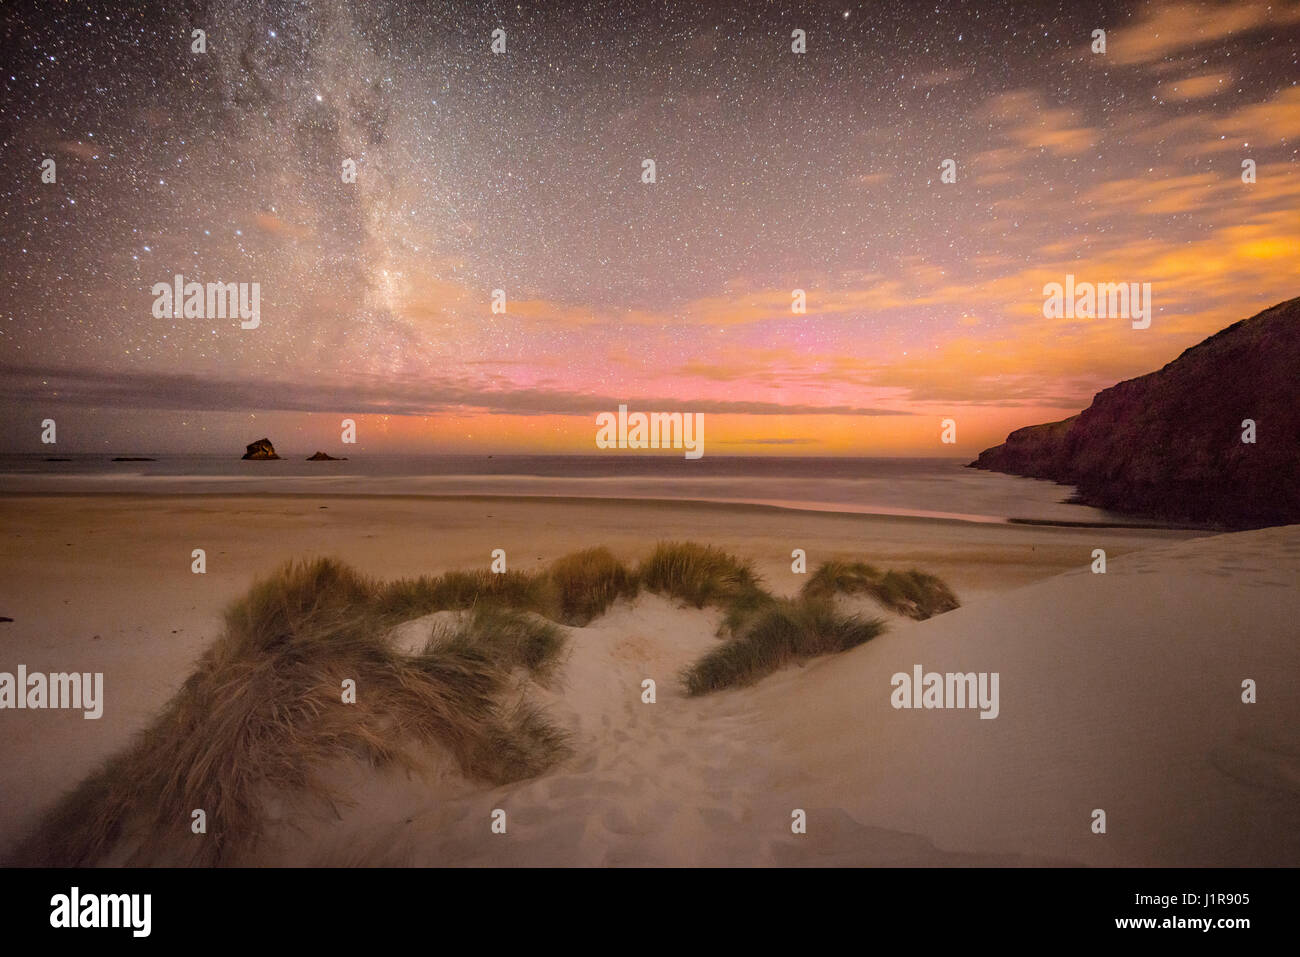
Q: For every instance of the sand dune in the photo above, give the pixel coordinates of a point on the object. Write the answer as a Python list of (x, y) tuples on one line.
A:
[(1119, 691), (1124, 695), (103, 583)]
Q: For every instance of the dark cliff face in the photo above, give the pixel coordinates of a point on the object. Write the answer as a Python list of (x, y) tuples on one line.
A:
[(1169, 444), (261, 449)]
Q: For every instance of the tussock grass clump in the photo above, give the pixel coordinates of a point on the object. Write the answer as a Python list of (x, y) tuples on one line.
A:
[(511, 639), (767, 633), (408, 598), (574, 589), (917, 594), (784, 631), (837, 576), (698, 574), (459, 590), (588, 582), (743, 608), (263, 711), (913, 593)]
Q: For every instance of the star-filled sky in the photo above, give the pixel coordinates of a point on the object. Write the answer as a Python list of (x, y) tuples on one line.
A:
[(522, 171)]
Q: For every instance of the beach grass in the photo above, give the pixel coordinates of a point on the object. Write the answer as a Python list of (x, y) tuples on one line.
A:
[(586, 583), (913, 593), (264, 712), (573, 589), (698, 574), (511, 639), (460, 590), (765, 633), (783, 631)]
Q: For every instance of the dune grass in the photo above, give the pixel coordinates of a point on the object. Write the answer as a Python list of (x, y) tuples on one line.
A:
[(458, 590), (512, 639), (767, 633), (698, 574), (262, 714), (783, 631), (743, 608), (586, 583), (574, 589), (913, 593)]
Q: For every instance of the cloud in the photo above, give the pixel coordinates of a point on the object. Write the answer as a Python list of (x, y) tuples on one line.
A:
[(1196, 87), (1219, 199), (1268, 124), (1166, 29), (275, 226), (1031, 122), (383, 395)]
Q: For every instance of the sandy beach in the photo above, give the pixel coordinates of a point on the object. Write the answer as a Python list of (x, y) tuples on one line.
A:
[(1119, 691)]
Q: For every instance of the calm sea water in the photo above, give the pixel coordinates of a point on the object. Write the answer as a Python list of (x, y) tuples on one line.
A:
[(937, 488)]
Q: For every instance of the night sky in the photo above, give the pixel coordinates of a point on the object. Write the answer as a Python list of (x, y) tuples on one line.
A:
[(522, 171)]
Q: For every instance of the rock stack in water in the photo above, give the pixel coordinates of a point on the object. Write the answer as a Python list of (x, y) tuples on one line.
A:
[(261, 449)]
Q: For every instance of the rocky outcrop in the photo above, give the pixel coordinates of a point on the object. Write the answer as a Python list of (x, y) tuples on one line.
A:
[(325, 457), (261, 449), (1169, 444)]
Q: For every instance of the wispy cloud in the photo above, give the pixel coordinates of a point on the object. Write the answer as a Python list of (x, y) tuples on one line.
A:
[(1030, 121), (1166, 29), (359, 394)]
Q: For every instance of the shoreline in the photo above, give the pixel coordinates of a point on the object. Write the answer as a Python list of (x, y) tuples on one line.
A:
[(832, 509)]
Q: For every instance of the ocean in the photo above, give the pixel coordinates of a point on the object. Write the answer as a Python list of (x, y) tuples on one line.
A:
[(926, 488)]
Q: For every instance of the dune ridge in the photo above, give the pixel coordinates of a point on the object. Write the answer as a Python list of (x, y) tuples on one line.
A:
[(259, 714), (1127, 700)]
